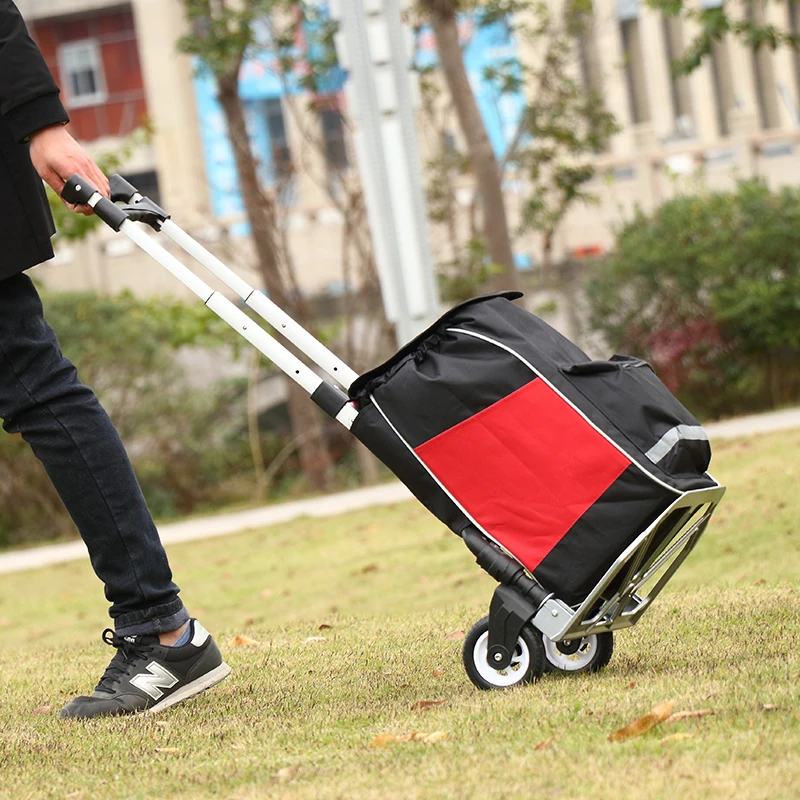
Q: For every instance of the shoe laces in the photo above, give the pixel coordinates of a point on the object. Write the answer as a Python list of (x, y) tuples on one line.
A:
[(129, 650)]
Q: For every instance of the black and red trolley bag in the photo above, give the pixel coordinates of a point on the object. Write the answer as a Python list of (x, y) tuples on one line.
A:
[(493, 418), (589, 473)]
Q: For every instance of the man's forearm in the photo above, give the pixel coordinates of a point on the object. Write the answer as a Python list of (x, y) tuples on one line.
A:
[(29, 97)]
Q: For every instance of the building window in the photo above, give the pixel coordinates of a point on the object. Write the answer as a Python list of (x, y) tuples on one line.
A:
[(724, 99), (634, 70), (281, 155), (81, 66), (589, 60), (679, 90), (766, 90), (589, 64), (794, 26), (764, 75), (332, 126)]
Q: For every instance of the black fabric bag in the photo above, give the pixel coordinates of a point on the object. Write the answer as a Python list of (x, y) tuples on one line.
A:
[(493, 418)]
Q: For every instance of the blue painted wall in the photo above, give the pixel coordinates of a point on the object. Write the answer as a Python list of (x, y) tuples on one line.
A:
[(485, 47), (259, 81)]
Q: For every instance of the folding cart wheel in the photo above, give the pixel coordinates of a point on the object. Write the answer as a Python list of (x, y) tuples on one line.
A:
[(588, 654), (527, 661)]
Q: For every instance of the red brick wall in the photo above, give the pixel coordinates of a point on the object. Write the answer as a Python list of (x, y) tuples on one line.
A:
[(125, 106)]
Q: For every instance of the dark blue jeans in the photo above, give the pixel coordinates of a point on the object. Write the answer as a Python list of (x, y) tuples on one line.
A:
[(70, 433)]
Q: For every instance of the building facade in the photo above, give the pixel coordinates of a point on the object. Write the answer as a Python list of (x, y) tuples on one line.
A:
[(735, 116), (118, 70)]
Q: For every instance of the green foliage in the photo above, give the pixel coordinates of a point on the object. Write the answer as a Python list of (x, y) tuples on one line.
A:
[(713, 24), (224, 35), (189, 443), (562, 128), (459, 278), (183, 438), (29, 505), (314, 64), (708, 289), (125, 345), (553, 151)]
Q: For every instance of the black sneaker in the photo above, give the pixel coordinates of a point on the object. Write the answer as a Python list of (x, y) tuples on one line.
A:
[(145, 676)]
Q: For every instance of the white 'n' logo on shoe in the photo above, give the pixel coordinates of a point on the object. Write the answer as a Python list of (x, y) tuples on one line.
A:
[(158, 678)]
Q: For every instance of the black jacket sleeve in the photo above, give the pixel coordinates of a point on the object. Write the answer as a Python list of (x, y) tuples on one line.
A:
[(28, 94)]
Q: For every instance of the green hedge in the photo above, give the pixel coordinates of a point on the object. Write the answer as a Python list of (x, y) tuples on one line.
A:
[(190, 448), (707, 288)]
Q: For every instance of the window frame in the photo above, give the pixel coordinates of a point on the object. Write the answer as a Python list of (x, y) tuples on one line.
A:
[(764, 78), (280, 156), (680, 92), (334, 140), (100, 95), (635, 75), (722, 85)]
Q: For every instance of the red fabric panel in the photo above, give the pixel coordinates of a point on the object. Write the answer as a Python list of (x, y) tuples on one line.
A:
[(526, 468)]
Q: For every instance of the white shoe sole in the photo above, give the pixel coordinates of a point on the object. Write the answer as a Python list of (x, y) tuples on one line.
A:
[(191, 689)]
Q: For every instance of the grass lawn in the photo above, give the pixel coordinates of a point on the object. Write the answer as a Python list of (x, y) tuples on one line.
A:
[(297, 716)]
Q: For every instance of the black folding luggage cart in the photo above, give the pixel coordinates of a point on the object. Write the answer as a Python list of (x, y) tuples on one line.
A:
[(579, 485)]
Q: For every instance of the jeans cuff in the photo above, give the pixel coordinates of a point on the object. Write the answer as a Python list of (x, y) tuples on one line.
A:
[(159, 619)]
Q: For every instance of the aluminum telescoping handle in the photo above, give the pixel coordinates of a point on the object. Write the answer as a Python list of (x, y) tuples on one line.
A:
[(79, 191), (122, 191), (258, 301), (263, 306)]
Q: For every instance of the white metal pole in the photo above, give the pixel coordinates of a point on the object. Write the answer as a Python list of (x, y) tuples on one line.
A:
[(139, 236), (206, 258), (262, 305), (372, 45)]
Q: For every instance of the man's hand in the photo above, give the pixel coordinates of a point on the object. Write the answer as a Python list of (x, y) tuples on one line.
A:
[(56, 156)]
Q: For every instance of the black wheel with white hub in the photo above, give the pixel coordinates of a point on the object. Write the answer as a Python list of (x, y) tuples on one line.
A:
[(588, 654), (527, 661)]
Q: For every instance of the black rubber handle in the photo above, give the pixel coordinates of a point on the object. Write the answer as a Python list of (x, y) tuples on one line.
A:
[(77, 190), (121, 190)]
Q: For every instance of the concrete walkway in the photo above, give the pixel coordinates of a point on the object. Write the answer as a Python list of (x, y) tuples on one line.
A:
[(331, 505), (757, 423), (222, 524)]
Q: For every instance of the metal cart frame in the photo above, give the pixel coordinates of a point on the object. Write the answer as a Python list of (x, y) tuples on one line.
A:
[(619, 599)]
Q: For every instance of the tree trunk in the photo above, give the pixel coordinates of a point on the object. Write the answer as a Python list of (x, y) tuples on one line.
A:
[(315, 459), (314, 456), (481, 155), (256, 452), (258, 205), (562, 285), (368, 465)]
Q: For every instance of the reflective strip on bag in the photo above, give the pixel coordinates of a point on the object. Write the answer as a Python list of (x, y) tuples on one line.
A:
[(674, 435)]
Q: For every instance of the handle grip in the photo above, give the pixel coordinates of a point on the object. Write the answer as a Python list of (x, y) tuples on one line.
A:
[(79, 191), (121, 190)]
